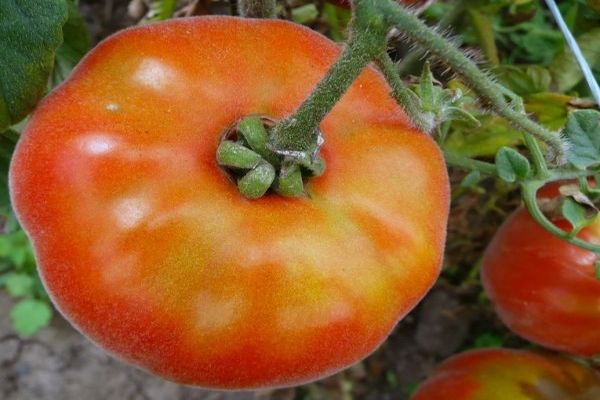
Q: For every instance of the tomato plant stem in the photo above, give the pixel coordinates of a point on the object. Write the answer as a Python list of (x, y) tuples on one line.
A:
[(470, 164), (539, 162), (257, 8), (372, 19), (299, 132), (529, 193), (457, 160), (416, 31), (411, 61), (404, 96)]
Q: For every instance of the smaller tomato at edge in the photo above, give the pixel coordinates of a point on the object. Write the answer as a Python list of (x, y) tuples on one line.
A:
[(502, 374), (542, 287)]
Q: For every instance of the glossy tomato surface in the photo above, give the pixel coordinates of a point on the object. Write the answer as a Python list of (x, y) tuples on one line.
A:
[(148, 248), (544, 288), (503, 374)]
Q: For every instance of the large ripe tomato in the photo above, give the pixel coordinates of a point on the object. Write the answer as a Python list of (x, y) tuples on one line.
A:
[(542, 287), (149, 249), (503, 374)]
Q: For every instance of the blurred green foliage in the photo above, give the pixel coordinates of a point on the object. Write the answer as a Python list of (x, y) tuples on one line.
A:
[(529, 57), (18, 273)]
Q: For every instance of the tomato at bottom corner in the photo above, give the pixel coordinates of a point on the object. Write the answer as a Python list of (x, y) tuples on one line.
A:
[(504, 374), (146, 245)]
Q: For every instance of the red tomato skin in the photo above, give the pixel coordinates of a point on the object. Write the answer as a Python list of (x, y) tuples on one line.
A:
[(544, 288), (146, 246), (503, 374)]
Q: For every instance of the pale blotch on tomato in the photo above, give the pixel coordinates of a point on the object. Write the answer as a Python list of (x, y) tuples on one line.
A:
[(112, 107), (313, 307), (156, 75), (118, 270), (129, 212), (218, 312), (97, 143)]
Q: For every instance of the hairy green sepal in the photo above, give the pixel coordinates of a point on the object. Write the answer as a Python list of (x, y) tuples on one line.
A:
[(257, 169)]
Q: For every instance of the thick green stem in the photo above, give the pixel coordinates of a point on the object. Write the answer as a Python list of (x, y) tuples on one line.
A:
[(469, 164), (529, 192), (556, 147), (404, 95), (299, 132), (459, 161), (539, 163), (411, 61), (418, 32), (257, 8), (565, 175)]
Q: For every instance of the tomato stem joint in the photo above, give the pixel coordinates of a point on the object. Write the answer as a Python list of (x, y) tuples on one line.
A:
[(248, 160)]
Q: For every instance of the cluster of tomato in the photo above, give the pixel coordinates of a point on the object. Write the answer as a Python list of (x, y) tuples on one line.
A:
[(146, 246), (545, 290)]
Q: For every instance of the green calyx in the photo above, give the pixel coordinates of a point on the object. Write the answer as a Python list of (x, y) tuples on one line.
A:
[(244, 153)]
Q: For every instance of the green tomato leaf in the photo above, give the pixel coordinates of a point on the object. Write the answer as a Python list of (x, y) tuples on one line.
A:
[(583, 133), (19, 284), (30, 33), (484, 140), (524, 81), (160, 10), (77, 42), (442, 104), (305, 14), (511, 165), (8, 221), (484, 30), (426, 89), (29, 316), (488, 340), (536, 41), (565, 70), (452, 113), (15, 249), (411, 388), (550, 109), (576, 214), (471, 179), (337, 19), (8, 141)]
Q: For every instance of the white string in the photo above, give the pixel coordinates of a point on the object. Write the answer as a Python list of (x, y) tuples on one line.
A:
[(583, 64)]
